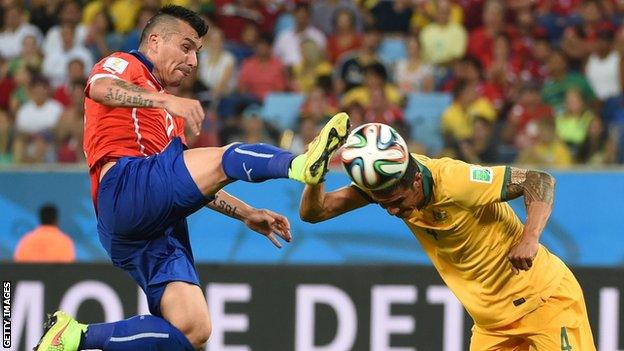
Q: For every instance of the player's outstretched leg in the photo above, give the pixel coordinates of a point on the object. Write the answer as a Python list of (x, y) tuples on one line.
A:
[(63, 333), (259, 162)]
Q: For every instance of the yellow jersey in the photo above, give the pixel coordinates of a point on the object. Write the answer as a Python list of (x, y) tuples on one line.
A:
[(467, 232)]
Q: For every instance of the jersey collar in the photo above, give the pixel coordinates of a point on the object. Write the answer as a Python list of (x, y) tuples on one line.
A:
[(427, 180), (144, 60)]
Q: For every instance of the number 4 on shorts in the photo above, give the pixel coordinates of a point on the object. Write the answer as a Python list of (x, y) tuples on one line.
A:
[(565, 344)]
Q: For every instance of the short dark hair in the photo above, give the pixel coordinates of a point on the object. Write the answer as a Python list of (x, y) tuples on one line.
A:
[(377, 69), (48, 214), (177, 12)]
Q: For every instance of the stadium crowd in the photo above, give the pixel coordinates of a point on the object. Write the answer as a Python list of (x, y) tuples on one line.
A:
[(531, 81)]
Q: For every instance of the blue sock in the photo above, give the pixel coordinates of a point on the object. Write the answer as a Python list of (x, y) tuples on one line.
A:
[(256, 162), (145, 333)]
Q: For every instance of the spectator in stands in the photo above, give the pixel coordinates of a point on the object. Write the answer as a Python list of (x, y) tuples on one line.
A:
[(68, 131), (43, 14), (579, 38), (234, 16), (55, 64), (19, 93), (553, 15), (375, 79), (216, 65), (35, 123), (380, 110), (443, 41), (75, 73), (599, 147), (458, 120), (392, 16), (535, 62), (561, 80), (288, 43), (426, 12), (30, 56), (262, 74), (548, 151), (7, 84), (603, 66), (312, 66), (523, 44), (501, 75), (344, 37), (46, 243), (122, 12), (324, 13), (350, 70), (101, 39), (255, 129), (469, 69), (481, 40), (480, 147), (5, 134), (573, 123), (132, 39), (520, 128), (319, 106), (70, 13), (15, 28), (412, 74)]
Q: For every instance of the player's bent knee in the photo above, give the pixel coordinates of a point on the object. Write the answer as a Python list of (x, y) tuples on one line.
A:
[(197, 330)]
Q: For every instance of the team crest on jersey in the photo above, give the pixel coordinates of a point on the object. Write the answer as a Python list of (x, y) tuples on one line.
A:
[(481, 174), (439, 216), (115, 65)]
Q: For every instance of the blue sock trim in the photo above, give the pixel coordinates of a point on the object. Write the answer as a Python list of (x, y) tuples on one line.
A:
[(136, 333)]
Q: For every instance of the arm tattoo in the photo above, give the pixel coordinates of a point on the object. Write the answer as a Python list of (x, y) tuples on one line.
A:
[(127, 86), (123, 98), (534, 185), (224, 207)]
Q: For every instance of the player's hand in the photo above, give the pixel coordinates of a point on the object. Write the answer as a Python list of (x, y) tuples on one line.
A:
[(269, 223), (189, 109), (522, 254)]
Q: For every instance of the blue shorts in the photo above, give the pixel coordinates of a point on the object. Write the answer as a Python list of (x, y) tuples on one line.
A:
[(143, 203)]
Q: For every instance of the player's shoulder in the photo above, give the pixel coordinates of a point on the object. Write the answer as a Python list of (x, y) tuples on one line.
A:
[(439, 166), (118, 62)]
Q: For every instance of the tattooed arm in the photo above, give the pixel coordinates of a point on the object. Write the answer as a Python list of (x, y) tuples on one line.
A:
[(117, 92), (120, 93), (262, 221), (538, 189)]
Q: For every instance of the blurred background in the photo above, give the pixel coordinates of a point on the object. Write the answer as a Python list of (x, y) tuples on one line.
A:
[(536, 83)]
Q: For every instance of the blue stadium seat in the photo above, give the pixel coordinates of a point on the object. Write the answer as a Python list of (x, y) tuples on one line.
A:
[(423, 112), (392, 50), (282, 109)]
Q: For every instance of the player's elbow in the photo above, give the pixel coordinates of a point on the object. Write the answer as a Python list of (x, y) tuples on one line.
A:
[(310, 216)]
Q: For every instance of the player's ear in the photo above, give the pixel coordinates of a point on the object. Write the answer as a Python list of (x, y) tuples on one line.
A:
[(154, 41), (417, 180)]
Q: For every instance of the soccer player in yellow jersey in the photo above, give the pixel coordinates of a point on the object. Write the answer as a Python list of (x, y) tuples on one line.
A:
[(520, 295)]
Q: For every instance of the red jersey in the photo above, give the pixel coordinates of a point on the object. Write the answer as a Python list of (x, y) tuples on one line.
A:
[(114, 132)]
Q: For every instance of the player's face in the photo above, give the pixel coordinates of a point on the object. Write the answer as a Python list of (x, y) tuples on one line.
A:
[(402, 201), (177, 56)]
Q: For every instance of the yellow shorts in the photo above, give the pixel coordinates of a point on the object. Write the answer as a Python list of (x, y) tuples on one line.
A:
[(560, 324)]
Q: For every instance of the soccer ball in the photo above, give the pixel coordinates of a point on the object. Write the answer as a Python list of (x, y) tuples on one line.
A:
[(375, 156)]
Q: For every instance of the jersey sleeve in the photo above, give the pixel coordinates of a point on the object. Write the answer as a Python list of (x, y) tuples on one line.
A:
[(473, 186), (112, 67)]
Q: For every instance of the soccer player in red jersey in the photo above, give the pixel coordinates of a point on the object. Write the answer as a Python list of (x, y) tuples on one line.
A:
[(145, 182)]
